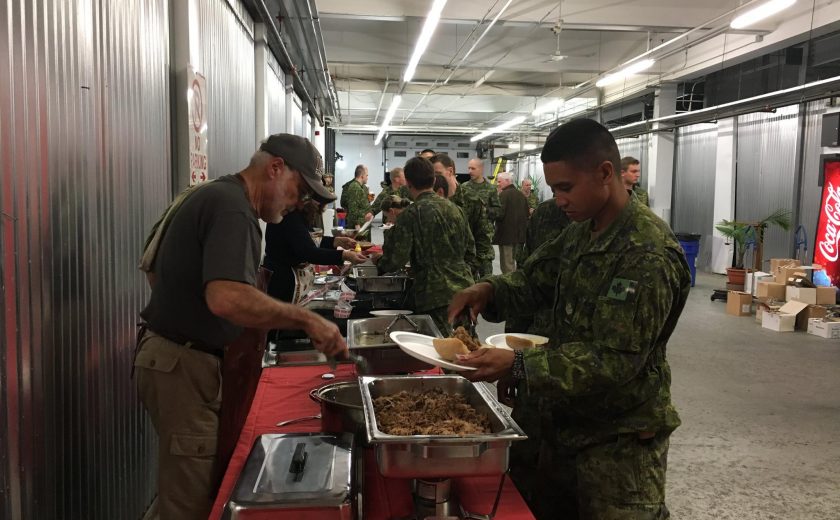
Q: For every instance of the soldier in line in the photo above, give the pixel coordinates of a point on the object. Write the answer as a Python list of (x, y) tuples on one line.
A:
[(434, 236), (474, 210), (354, 198), (616, 281), (631, 170), (486, 192), (428, 153), (397, 187), (533, 200)]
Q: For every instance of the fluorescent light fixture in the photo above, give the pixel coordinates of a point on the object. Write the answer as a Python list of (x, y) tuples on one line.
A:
[(529, 146), (759, 13), (429, 27), (484, 78), (548, 108), (395, 104), (486, 30), (629, 70), (501, 128)]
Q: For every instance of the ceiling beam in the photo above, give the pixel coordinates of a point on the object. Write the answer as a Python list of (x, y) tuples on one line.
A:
[(567, 26)]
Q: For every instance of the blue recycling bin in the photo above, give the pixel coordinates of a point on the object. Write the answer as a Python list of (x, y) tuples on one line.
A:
[(690, 243)]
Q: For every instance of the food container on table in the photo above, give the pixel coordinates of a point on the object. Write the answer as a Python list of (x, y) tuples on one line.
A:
[(368, 279), (341, 407), (440, 456), (299, 475), (369, 338)]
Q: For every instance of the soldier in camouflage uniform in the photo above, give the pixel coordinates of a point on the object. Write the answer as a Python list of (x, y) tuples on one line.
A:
[(474, 210), (434, 236), (487, 193), (631, 170), (616, 282), (354, 198), (397, 187), (533, 200)]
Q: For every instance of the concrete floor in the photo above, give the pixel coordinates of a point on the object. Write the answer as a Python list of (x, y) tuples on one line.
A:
[(760, 438)]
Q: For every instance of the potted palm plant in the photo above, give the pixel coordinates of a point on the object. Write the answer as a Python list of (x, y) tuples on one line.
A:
[(742, 232), (739, 233)]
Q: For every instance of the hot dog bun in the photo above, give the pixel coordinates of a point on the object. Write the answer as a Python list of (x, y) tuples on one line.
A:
[(517, 343), (449, 348)]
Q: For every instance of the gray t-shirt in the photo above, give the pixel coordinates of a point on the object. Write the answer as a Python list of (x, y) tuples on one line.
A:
[(214, 235)]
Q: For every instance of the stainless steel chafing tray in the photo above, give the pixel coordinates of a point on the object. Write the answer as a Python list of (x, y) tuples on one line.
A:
[(368, 279), (369, 338), (430, 456)]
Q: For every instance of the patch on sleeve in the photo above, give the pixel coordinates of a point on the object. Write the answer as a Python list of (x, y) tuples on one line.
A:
[(622, 290)]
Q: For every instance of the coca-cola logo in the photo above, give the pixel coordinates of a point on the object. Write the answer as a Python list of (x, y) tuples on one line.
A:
[(831, 210)]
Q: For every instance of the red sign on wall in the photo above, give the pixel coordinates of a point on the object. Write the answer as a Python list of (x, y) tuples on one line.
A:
[(827, 241)]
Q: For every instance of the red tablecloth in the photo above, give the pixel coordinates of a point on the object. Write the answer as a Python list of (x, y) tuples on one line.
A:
[(283, 393)]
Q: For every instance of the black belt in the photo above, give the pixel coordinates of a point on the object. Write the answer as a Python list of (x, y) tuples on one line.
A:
[(219, 352)]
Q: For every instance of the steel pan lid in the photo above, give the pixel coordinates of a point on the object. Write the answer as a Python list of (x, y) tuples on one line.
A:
[(296, 470)]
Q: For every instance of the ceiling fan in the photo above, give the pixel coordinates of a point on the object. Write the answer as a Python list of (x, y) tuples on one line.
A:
[(558, 55)]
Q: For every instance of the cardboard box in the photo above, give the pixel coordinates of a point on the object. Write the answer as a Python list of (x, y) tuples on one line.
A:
[(785, 274), (824, 329), (810, 313), (735, 287), (773, 290), (753, 279), (739, 303), (814, 296), (783, 320), (763, 305), (776, 263)]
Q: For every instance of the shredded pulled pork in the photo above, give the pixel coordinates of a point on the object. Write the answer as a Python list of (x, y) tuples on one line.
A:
[(471, 342), (433, 412)]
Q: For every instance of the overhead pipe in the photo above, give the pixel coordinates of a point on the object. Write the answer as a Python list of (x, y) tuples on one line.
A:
[(322, 56), (285, 58)]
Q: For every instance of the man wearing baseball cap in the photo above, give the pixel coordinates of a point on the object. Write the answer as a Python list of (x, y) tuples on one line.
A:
[(203, 273)]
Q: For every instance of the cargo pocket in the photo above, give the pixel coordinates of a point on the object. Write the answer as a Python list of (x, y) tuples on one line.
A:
[(156, 359), (193, 445)]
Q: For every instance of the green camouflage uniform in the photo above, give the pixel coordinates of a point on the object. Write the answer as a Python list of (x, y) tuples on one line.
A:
[(487, 193), (643, 196), (533, 200), (354, 198), (434, 236), (615, 299), (482, 229)]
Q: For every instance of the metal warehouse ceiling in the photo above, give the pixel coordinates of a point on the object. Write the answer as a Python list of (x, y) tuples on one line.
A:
[(538, 51)]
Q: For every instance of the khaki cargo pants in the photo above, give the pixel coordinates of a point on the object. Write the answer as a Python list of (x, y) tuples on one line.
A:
[(182, 391)]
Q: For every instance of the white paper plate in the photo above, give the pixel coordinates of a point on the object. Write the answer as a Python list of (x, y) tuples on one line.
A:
[(498, 340), (420, 347), (389, 312)]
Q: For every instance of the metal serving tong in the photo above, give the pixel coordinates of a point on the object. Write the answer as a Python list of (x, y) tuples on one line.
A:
[(397, 318), (465, 318), (362, 365)]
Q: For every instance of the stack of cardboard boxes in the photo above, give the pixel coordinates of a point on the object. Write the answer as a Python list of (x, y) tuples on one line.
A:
[(785, 302)]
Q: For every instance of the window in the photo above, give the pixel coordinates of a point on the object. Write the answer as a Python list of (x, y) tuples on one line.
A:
[(399, 153)]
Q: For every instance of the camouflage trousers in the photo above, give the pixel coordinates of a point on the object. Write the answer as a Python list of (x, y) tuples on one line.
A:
[(623, 479), (486, 269), (441, 319)]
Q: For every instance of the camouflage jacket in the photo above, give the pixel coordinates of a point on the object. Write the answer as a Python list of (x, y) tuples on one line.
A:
[(482, 229), (354, 198), (547, 222), (533, 200), (643, 196), (488, 194), (386, 192), (434, 236), (615, 300)]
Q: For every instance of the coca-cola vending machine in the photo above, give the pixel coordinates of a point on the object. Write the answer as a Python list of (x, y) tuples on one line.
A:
[(827, 240)]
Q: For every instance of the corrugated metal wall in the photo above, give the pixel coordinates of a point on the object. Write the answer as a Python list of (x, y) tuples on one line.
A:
[(811, 193), (768, 147), (637, 147), (694, 185), (227, 62), (275, 95), (85, 154)]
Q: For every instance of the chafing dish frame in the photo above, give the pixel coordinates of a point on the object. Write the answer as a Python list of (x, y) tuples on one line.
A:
[(439, 456), (368, 279)]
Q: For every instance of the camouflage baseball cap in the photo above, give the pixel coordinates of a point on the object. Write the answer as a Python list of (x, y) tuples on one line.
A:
[(302, 157)]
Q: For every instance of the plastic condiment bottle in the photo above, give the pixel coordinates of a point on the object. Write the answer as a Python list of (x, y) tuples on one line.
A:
[(358, 248)]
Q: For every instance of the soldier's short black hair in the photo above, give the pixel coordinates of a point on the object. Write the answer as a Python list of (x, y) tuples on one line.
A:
[(441, 184), (627, 162), (360, 170), (427, 150), (584, 142), (395, 202), (420, 173), (444, 159)]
